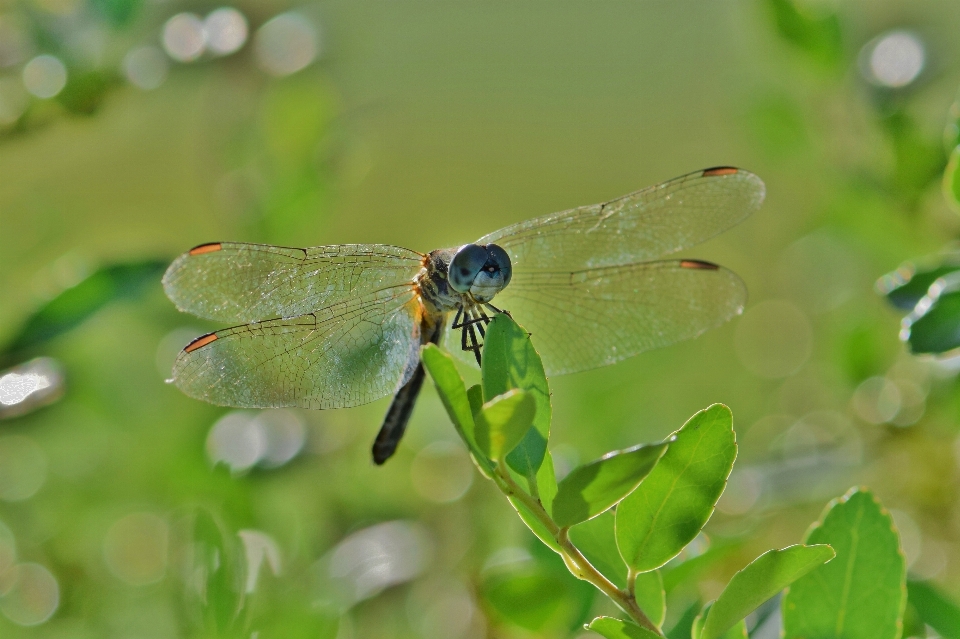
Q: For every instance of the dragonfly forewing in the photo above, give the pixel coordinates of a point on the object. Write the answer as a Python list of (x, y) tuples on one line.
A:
[(643, 226), (585, 319), (346, 354), (236, 282)]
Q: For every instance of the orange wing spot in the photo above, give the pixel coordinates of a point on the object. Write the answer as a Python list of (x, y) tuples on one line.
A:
[(697, 264), (200, 342), (720, 170), (205, 248)]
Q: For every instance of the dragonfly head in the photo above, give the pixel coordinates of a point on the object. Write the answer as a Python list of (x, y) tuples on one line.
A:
[(481, 271)]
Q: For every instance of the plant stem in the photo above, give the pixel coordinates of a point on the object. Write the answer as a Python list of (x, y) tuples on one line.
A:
[(572, 557)]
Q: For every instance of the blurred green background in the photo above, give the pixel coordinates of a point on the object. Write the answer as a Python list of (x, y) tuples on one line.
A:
[(130, 132)]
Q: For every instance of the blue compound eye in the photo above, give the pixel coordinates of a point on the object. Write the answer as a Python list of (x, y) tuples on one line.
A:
[(499, 259), (465, 266)]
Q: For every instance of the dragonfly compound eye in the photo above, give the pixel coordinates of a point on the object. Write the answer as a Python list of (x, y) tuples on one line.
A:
[(466, 265)]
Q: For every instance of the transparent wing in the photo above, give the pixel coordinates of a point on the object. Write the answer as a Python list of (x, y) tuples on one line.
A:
[(586, 319), (639, 227), (346, 354), (235, 282)]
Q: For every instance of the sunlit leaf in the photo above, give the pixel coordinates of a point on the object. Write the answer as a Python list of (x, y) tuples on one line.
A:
[(597, 540), (951, 179), (74, 305), (503, 421), (618, 629), (935, 608), (650, 596), (908, 284), (689, 571), (536, 526), (934, 325), (763, 578), (677, 498), (453, 394), (593, 488), (736, 631), (510, 361), (861, 593)]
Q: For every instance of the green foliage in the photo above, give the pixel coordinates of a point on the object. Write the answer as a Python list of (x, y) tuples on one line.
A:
[(951, 179), (77, 303), (934, 608), (736, 631), (502, 422), (612, 628), (766, 575), (510, 361), (908, 284), (936, 328), (861, 593), (215, 576), (666, 494), (677, 498), (595, 487)]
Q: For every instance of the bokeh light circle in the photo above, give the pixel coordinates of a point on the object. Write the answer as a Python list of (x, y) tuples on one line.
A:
[(774, 339), (135, 548), (13, 100), (145, 67), (45, 76), (894, 59), (442, 472), (184, 38), (226, 31), (34, 596), (286, 44), (236, 440)]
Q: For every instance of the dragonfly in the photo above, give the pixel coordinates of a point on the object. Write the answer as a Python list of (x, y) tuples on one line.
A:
[(342, 325)]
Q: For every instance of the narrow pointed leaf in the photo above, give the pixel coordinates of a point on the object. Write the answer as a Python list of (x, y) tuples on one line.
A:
[(547, 482), (861, 594), (74, 305), (510, 361), (503, 421), (475, 395), (618, 629), (453, 394), (763, 578), (593, 488), (677, 498)]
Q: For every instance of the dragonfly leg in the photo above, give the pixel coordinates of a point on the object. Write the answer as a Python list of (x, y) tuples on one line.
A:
[(456, 320), (498, 310), (463, 335), (474, 346)]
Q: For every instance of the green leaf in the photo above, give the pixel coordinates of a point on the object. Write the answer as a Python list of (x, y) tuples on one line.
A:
[(534, 524), (547, 482), (861, 593), (677, 498), (650, 596), (453, 394), (689, 571), (538, 596), (475, 395), (597, 540), (76, 304), (951, 179), (736, 631), (618, 629), (593, 488), (216, 573), (905, 286), (510, 361), (763, 578), (934, 326), (503, 421), (935, 608)]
